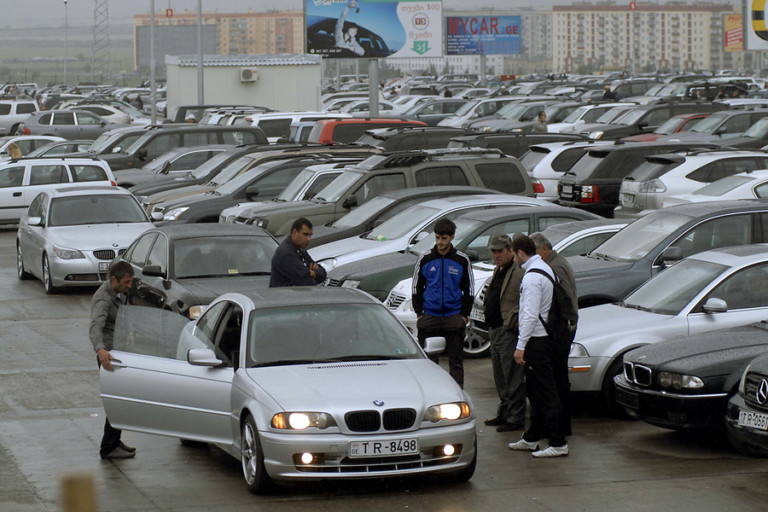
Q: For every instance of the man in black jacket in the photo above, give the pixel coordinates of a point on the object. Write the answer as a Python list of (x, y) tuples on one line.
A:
[(292, 265)]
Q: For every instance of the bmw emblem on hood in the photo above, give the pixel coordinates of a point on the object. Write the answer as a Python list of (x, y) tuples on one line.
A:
[(378, 403)]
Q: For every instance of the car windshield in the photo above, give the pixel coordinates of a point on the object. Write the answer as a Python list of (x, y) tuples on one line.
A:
[(723, 186), (338, 187), (241, 180), (102, 142), (576, 114), (95, 209), (637, 239), (630, 117), (611, 114), (758, 130), (222, 256), (467, 107), (464, 227), (671, 125), (326, 334), (233, 169), (402, 223), (670, 291), (207, 167), (512, 110), (363, 212), (296, 185), (709, 124)]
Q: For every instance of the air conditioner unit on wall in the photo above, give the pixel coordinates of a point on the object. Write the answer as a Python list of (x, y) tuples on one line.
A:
[(249, 74)]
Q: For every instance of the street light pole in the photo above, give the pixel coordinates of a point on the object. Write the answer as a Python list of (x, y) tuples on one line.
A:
[(66, 39)]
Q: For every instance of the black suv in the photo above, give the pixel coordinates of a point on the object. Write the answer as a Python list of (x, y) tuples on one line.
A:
[(408, 138), (512, 144), (594, 181)]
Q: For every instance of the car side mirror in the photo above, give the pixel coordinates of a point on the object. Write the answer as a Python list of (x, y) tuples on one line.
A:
[(434, 345), (103, 124), (153, 271), (252, 191), (203, 357), (142, 153), (671, 254), (350, 202), (715, 305), (116, 149), (157, 216), (166, 168), (35, 221)]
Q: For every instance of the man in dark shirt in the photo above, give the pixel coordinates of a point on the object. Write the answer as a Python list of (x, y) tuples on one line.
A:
[(292, 265), (501, 306)]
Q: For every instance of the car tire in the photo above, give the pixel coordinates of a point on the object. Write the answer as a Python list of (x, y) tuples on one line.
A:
[(608, 389), (255, 473), (476, 347), (21, 273), (47, 281), (464, 474)]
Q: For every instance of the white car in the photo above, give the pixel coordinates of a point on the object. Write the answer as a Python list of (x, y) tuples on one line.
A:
[(476, 109), (299, 384), (708, 291), (582, 115), (745, 185)]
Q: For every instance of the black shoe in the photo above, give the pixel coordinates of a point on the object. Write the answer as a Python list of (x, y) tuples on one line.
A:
[(509, 427), (127, 448), (494, 422), (119, 453)]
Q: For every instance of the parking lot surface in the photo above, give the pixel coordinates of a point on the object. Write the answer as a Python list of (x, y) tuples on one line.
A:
[(51, 421)]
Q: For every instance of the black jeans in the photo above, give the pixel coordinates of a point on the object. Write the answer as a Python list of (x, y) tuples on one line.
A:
[(544, 378), (453, 329), (111, 438)]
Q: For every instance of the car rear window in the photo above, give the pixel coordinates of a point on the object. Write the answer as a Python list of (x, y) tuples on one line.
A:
[(650, 170), (532, 158), (88, 173), (5, 109), (275, 127), (502, 176), (25, 108)]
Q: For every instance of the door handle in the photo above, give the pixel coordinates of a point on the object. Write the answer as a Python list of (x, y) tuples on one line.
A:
[(116, 363), (17, 194)]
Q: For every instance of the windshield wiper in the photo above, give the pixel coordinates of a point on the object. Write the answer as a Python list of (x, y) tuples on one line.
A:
[(371, 357), (319, 199), (623, 304), (601, 256), (284, 362)]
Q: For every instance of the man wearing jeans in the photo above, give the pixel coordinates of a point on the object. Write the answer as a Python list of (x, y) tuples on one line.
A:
[(500, 307)]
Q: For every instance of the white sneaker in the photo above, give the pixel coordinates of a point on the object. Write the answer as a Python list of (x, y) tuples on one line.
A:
[(552, 451), (524, 445)]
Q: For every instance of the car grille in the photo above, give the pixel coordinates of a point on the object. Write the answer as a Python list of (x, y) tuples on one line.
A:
[(638, 374), (338, 463), (394, 300), (332, 282), (370, 421), (107, 254), (751, 388)]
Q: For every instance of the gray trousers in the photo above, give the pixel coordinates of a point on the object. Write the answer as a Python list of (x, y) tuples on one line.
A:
[(508, 375)]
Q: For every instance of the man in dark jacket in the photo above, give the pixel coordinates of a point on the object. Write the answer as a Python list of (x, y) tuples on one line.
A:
[(292, 265), (443, 296)]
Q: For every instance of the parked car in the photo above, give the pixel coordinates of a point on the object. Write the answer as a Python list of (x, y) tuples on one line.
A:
[(581, 115), (108, 113), (176, 162), (685, 383), (14, 112), (515, 116), (65, 123), (293, 403), (708, 291), (329, 131), (745, 185), (675, 124), (719, 127), (183, 268), (432, 111), (26, 143), (647, 187), (409, 138), (68, 237), (22, 180), (512, 144), (746, 419), (475, 109), (59, 149)]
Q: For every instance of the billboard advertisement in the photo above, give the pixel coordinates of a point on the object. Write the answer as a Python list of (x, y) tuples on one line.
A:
[(482, 35), (755, 28), (733, 32), (344, 29)]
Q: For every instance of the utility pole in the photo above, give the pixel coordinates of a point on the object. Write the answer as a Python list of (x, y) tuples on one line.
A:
[(66, 39), (200, 91), (100, 56)]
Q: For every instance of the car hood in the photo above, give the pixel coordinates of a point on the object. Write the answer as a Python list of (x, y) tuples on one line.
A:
[(208, 288), (610, 320), (351, 245), (268, 208), (708, 353), (369, 266), (89, 237), (175, 193), (585, 265), (321, 387), (697, 137), (188, 200)]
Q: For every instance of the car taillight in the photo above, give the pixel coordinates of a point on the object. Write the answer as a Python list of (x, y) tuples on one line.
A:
[(113, 183), (538, 187), (589, 194), (26, 131)]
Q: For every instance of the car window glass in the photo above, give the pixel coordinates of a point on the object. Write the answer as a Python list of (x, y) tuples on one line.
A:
[(26, 146), (36, 207), (584, 245), (228, 334), (657, 117), (436, 176), (126, 142), (720, 232), (736, 124), (762, 191), (545, 222), (87, 118), (25, 108), (566, 159), (46, 174), (239, 137), (88, 173), (271, 184), (162, 143), (11, 176), (206, 325), (190, 161), (64, 118), (199, 138), (318, 185), (5, 109), (137, 255), (378, 185), (159, 254), (479, 245), (745, 289), (502, 176), (45, 119), (99, 111)]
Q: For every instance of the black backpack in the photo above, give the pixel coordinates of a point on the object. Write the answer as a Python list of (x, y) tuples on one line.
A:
[(563, 314)]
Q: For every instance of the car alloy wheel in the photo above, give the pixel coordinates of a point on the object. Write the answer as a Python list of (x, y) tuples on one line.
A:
[(22, 274), (47, 282), (476, 346), (256, 478)]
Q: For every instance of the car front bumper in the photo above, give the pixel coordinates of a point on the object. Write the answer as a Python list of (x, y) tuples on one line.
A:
[(88, 271), (586, 373), (282, 454), (752, 437)]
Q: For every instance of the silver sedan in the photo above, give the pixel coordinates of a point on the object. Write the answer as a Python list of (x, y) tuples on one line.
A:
[(298, 383)]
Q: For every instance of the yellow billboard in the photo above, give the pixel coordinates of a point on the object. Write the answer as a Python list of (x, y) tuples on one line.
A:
[(734, 35)]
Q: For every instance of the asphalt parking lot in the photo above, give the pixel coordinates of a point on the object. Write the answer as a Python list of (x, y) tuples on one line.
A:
[(51, 421)]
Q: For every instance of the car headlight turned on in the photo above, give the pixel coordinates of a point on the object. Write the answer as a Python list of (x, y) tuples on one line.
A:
[(174, 213), (302, 420), (68, 254), (451, 412), (679, 381)]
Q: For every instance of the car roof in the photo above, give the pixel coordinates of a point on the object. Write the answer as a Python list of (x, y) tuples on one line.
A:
[(444, 202), (425, 191), (180, 231), (501, 212), (707, 208), (304, 296), (90, 190), (735, 256), (570, 228)]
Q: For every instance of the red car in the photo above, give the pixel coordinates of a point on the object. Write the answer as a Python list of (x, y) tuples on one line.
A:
[(674, 124)]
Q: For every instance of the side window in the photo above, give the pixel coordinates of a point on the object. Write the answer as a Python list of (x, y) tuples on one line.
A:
[(88, 173), (638, 88), (736, 124), (745, 289), (47, 174), (239, 137), (45, 119), (86, 118), (720, 232), (762, 191), (36, 207), (479, 245), (161, 144), (5, 109), (545, 222), (64, 118), (273, 183), (623, 90), (567, 158), (126, 142), (378, 185), (584, 245), (319, 184), (206, 325), (227, 341), (435, 176), (503, 176), (702, 175), (159, 254), (657, 117), (275, 127), (25, 108), (450, 108), (190, 161), (137, 254), (199, 138), (28, 145), (12, 176)]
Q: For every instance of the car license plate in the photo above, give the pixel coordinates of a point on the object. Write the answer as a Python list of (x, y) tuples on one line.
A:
[(103, 266), (567, 190), (477, 315), (627, 398), (383, 448), (753, 420), (627, 199)]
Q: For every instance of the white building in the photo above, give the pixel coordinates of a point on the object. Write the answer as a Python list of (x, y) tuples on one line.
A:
[(285, 82)]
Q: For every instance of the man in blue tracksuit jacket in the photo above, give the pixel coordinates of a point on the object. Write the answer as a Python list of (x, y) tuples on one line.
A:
[(442, 296)]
